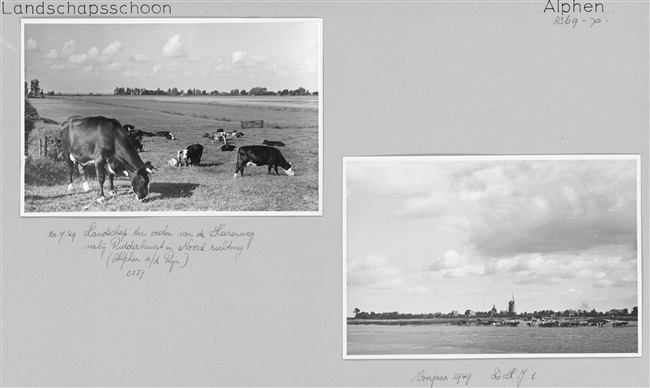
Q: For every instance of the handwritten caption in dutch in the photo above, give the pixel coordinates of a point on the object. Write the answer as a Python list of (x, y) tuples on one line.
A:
[(514, 375), (137, 251)]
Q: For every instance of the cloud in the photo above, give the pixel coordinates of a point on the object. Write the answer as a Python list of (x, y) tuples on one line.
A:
[(453, 265), (508, 208), (238, 56), (139, 58), (109, 51), (68, 48), (31, 45), (175, 48), (242, 59), (52, 54), (93, 53), (373, 271), (58, 67), (79, 59), (115, 66)]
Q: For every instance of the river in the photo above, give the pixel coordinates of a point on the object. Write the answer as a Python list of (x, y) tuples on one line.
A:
[(434, 340)]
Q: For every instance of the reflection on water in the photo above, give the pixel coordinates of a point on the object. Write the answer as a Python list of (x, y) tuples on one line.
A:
[(450, 339)]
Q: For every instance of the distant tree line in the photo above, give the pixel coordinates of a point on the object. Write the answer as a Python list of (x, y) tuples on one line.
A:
[(358, 314), (256, 91)]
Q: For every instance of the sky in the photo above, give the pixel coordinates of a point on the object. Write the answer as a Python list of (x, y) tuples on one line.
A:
[(426, 235), (199, 55)]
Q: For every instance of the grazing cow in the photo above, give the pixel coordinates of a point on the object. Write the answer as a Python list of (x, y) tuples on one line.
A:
[(257, 155), (190, 155), (103, 142), (227, 147), (273, 143)]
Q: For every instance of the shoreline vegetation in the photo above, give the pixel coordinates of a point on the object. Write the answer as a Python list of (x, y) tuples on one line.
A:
[(470, 321), (544, 318)]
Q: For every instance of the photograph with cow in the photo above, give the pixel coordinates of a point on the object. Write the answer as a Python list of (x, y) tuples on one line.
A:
[(128, 117)]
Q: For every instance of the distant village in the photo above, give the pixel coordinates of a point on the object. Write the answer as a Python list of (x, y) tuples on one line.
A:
[(510, 312)]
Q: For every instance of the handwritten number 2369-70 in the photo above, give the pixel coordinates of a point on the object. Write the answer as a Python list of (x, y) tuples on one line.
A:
[(574, 21)]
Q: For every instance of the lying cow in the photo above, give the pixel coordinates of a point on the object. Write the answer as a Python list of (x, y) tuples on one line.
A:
[(136, 142), (223, 136), (273, 143), (166, 134), (227, 147), (103, 142), (190, 155), (256, 155)]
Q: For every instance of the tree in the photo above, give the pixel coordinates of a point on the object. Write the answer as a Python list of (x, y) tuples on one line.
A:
[(35, 88), (356, 312), (234, 92), (243, 92), (635, 311), (258, 91)]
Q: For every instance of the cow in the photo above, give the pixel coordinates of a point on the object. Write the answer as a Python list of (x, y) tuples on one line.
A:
[(212, 138), (190, 155), (136, 142), (227, 147), (175, 161), (257, 155), (273, 143), (223, 136), (103, 142), (166, 134)]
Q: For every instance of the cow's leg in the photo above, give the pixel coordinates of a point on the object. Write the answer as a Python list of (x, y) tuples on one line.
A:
[(86, 186), (276, 169), (111, 188), (240, 168), (101, 177), (70, 170), (111, 174)]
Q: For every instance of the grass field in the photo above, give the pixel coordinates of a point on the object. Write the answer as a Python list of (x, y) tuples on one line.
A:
[(208, 187)]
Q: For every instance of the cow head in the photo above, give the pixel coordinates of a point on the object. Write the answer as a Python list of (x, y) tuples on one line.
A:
[(140, 181), (289, 171)]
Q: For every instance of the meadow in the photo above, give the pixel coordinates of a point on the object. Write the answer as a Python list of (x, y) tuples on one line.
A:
[(209, 187)]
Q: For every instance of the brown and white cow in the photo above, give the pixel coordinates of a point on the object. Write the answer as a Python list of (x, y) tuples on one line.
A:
[(103, 142)]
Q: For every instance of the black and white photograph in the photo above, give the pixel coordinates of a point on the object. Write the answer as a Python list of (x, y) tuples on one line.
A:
[(172, 116), (300, 193), (474, 256)]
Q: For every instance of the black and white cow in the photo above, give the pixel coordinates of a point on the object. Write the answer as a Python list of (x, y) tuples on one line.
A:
[(191, 155), (256, 155), (223, 136), (166, 134), (103, 142)]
